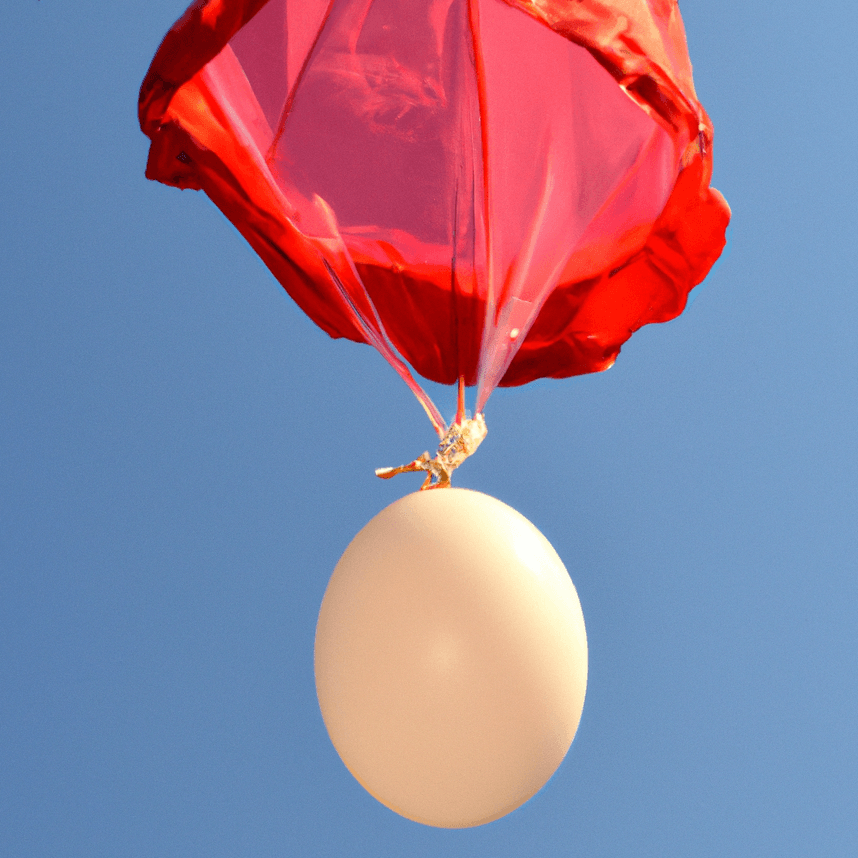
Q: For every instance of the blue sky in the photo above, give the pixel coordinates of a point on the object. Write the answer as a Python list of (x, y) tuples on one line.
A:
[(183, 458)]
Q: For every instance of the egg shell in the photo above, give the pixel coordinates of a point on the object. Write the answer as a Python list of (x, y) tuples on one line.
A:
[(451, 658)]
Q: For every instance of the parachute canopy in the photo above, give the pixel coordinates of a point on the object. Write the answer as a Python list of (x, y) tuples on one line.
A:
[(493, 190)]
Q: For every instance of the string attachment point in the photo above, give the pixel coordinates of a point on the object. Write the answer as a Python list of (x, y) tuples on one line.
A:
[(460, 441)]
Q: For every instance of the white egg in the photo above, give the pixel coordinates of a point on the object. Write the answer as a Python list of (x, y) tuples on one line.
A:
[(451, 658)]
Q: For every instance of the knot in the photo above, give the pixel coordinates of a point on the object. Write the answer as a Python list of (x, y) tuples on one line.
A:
[(459, 442)]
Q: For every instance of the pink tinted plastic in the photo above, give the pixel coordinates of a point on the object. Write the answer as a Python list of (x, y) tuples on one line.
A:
[(424, 174)]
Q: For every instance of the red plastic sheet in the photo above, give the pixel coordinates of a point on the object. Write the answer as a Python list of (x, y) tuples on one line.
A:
[(494, 191)]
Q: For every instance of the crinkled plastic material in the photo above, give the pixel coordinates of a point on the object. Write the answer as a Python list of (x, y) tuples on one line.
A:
[(493, 191)]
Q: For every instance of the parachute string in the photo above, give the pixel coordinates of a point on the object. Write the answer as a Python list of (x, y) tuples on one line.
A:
[(378, 339), (460, 402), (490, 310), (290, 97), (454, 287)]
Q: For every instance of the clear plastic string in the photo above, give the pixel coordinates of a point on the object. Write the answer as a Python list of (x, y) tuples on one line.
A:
[(378, 339)]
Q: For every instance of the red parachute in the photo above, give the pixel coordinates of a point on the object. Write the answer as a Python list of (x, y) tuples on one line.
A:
[(494, 190)]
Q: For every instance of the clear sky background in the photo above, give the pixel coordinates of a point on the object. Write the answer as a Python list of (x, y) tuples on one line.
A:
[(184, 457)]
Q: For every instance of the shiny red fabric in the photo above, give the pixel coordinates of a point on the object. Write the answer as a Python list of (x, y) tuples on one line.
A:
[(500, 191)]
